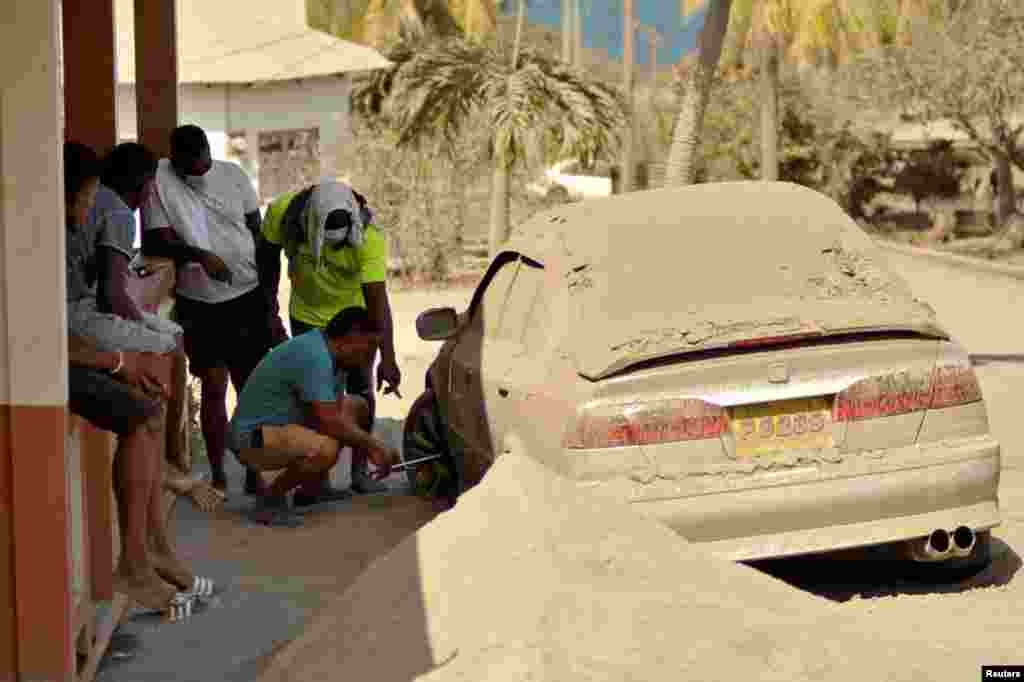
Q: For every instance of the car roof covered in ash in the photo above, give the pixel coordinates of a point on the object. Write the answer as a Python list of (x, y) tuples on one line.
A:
[(690, 268)]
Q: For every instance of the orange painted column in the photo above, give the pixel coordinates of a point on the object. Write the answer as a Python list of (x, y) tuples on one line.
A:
[(90, 111), (90, 73), (35, 543), (156, 73), (97, 448)]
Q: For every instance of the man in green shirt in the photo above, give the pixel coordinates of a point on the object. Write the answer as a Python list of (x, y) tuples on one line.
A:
[(337, 258)]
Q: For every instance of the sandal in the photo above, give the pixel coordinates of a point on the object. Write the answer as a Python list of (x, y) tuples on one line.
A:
[(199, 588), (149, 592), (204, 588)]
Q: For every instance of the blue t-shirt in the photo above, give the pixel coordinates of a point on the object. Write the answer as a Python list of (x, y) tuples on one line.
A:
[(296, 372)]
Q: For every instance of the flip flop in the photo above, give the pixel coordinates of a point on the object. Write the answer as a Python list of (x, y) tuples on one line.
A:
[(177, 608), (204, 588), (182, 608)]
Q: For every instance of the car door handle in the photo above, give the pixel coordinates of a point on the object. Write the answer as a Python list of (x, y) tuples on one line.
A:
[(503, 392)]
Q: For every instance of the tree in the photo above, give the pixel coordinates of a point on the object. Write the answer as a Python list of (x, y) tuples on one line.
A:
[(806, 33), (378, 22), (681, 165), (813, 36), (628, 168), (967, 69), (436, 90)]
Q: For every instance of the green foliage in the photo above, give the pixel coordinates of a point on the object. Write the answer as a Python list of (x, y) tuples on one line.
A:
[(414, 200), (934, 173), (438, 87), (817, 148)]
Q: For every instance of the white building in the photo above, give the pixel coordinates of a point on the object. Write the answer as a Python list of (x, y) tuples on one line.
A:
[(271, 92)]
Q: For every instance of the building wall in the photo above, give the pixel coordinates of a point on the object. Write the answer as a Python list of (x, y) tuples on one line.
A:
[(221, 110), (35, 604)]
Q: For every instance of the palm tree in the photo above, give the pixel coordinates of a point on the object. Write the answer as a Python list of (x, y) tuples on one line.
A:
[(436, 91), (811, 33), (378, 22), (680, 169), (803, 32)]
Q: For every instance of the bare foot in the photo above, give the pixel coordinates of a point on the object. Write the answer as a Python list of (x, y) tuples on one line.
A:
[(145, 588), (205, 495), (172, 570)]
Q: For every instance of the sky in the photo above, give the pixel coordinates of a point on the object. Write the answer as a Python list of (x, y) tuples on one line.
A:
[(602, 26)]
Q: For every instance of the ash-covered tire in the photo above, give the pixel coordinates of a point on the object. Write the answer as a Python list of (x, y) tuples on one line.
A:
[(423, 436)]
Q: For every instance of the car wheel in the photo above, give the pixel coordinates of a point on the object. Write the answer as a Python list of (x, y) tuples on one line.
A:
[(956, 570), (423, 436)]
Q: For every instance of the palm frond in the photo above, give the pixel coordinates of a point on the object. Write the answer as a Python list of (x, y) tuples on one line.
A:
[(371, 91), (436, 91), (590, 115)]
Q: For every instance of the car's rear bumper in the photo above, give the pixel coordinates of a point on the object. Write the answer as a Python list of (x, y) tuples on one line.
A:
[(906, 494)]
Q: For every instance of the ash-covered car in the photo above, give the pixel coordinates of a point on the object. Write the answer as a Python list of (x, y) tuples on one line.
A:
[(734, 359)]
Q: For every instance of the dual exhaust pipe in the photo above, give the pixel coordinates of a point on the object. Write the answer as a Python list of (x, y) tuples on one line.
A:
[(942, 544)]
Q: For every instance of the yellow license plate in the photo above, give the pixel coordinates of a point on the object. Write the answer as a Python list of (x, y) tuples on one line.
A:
[(767, 428)]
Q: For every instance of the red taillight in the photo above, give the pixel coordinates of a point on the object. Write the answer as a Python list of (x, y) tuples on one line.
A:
[(953, 386), (648, 423), (891, 395)]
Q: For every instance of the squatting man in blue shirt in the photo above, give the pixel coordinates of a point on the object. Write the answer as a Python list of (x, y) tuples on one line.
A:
[(293, 413)]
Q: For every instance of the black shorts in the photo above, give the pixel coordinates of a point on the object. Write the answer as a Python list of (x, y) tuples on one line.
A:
[(107, 403), (235, 334)]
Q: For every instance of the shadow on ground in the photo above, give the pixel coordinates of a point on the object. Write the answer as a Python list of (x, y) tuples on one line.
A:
[(276, 580), (841, 577)]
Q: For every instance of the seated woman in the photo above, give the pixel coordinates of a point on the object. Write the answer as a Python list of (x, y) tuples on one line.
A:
[(110, 390), (101, 337)]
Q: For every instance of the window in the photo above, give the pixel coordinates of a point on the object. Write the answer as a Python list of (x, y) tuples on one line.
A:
[(489, 302), (524, 303)]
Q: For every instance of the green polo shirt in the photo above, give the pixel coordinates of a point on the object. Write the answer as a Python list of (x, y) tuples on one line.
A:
[(318, 295)]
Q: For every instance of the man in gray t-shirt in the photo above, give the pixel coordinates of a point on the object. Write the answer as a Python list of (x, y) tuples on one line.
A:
[(98, 258), (100, 309)]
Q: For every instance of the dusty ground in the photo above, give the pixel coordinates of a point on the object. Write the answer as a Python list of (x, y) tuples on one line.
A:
[(280, 578), (277, 578)]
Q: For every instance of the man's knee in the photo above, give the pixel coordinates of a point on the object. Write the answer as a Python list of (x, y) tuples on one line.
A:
[(325, 457)]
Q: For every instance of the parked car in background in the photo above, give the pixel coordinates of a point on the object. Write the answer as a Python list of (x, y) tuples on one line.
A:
[(579, 181), (735, 360)]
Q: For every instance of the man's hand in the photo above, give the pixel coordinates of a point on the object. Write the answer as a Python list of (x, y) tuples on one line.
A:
[(383, 459), (139, 369), (388, 372), (216, 268)]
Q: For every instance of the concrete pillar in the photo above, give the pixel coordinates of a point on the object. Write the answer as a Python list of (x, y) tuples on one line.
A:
[(35, 548), (90, 106), (252, 151), (90, 73), (156, 73)]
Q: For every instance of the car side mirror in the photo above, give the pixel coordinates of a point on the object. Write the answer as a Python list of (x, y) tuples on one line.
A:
[(437, 324)]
